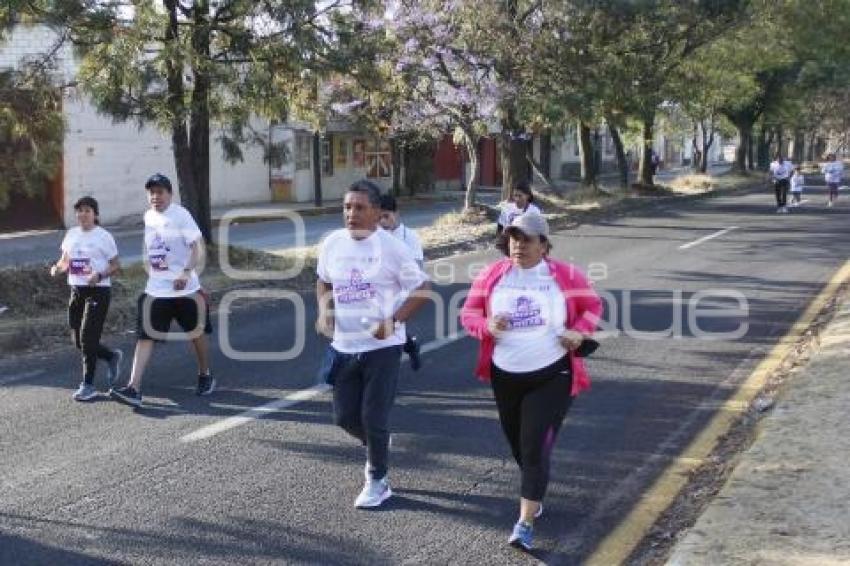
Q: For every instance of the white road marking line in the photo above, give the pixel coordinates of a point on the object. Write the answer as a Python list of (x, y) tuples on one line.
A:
[(255, 413), (707, 238), (290, 400)]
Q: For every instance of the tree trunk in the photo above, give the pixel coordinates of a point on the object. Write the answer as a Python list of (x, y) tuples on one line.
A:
[(585, 148), (745, 132), (512, 153), (765, 140), (597, 153), (696, 157), (317, 168), (810, 150), (546, 155), (470, 140), (646, 169), (707, 142), (419, 166), (199, 122), (799, 146), (750, 147), (396, 166), (537, 168), (622, 162), (180, 146)]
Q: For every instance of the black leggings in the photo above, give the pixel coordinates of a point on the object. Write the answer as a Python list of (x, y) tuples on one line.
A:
[(780, 186), (86, 314), (532, 407)]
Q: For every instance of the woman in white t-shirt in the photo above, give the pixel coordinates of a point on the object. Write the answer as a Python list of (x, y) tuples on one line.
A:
[(522, 202), (90, 257), (534, 317)]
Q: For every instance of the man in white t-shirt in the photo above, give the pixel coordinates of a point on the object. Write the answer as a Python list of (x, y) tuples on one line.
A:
[(781, 170), (391, 222), (362, 273), (173, 249)]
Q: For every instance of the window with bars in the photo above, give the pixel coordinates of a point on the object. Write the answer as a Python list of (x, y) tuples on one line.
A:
[(378, 158)]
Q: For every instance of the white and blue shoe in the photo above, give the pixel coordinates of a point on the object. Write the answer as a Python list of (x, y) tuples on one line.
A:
[(521, 536)]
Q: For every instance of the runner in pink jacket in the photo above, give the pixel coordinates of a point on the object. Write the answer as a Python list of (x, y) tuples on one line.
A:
[(534, 317)]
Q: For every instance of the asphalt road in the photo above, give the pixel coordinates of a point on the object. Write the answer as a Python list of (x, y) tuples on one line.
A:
[(99, 483)]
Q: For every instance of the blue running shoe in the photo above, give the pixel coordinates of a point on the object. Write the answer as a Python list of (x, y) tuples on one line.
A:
[(521, 536)]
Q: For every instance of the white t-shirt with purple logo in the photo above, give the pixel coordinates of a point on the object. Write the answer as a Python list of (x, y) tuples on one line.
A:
[(368, 277), (89, 252), (410, 239), (510, 211), (832, 171), (537, 311), (168, 237)]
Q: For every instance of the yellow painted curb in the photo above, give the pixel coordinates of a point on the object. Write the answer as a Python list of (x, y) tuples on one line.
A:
[(618, 545)]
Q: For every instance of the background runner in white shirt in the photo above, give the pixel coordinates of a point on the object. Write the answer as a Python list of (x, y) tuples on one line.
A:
[(391, 222), (522, 201), (833, 171), (173, 249)]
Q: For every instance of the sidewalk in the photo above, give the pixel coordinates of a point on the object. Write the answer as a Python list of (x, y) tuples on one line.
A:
[(788, 500)]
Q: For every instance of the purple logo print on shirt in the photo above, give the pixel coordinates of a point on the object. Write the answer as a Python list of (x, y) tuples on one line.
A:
[(157, 253), (80, 266), (356, 291), (526, 314)]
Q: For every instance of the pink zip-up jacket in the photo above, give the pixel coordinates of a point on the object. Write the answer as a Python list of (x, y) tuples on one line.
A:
[(583, 311)]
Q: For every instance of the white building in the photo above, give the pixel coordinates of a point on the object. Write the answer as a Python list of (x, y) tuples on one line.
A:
[(111, 160)]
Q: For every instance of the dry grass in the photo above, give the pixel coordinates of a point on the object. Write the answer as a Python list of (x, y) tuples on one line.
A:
[(692, 184), (699, 183)]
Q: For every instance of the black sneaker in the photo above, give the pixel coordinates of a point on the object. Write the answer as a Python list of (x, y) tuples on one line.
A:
[(206, 384), (126, 395), (411, 347)]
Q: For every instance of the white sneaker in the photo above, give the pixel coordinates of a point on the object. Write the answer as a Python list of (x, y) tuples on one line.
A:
[(374, 493), (85, 392)]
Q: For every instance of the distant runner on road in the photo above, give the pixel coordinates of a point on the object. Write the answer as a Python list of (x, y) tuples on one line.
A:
[(780, 171), (833, 172), (522, 201)]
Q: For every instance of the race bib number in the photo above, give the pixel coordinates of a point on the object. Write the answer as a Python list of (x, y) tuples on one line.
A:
[(80, 266), (158, 262)]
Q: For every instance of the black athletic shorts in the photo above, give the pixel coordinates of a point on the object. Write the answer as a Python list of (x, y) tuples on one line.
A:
[(163, 310)]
